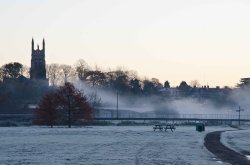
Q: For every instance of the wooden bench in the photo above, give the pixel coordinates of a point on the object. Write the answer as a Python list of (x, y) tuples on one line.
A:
[(164, 127)]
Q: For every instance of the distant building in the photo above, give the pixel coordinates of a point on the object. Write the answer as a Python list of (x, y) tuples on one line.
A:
[(202, 92), (38, 64)]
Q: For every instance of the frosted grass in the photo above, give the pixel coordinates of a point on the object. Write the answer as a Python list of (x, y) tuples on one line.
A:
[(124, 145)]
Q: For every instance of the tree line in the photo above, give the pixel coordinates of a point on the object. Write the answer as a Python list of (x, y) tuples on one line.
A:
[(18, 94), (122, 80)]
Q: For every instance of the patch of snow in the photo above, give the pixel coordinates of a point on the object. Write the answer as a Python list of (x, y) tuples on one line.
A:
[(237, 140)]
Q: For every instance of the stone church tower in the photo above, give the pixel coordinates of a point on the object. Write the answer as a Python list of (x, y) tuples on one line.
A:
[(38, 70)]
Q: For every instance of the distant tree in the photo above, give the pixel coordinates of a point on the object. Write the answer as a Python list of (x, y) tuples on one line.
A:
[(132, 75), (166, 84), (149, 87), (195, 84), (67, 104), (118, 80), (1, 74), (53, 73), (81, 68), (95, 78), (135, 86), (12, 70), (67, 72), (157, 83), (26, 71), (244, 82), (184, 86)]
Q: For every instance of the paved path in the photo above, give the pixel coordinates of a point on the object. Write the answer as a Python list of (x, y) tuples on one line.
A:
[(214, 145)]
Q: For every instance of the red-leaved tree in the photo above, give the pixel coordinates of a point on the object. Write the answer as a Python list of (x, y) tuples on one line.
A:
[(74, 103), (47, 111), (66, 104)]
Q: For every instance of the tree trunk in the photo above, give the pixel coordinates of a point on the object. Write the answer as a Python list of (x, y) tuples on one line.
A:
[(69, 113), (69, 119)]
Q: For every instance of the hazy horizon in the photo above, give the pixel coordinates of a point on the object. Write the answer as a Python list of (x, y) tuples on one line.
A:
[(204, 40)]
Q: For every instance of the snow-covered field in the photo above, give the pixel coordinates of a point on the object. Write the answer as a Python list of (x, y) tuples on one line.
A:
[(104, 145), (237, 140)]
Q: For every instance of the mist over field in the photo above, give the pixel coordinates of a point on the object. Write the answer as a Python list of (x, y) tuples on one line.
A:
[(161, 105)]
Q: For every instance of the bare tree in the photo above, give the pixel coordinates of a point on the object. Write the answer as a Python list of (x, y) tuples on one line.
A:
[(25, 71), (1, 74), (53, 73), (67, 72), (157, 83), (132, 74), (195, 84), (81, 67)]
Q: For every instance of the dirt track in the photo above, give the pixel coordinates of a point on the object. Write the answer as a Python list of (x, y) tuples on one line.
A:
[(214, 145)]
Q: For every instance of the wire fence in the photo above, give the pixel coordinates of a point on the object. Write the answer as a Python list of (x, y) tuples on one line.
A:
[(133, 115), (171, 116)]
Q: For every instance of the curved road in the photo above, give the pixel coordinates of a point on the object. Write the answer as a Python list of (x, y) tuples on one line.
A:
[(214, 145)]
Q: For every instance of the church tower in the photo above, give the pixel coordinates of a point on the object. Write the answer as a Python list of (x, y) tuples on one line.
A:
[(38, 70)]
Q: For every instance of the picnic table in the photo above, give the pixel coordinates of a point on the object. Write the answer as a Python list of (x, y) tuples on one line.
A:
[(162, 127)]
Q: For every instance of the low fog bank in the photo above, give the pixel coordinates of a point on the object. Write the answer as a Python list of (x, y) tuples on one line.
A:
[(165, 105), (241, 97)]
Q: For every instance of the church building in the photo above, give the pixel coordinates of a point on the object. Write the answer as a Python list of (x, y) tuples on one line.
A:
[(38, 64)]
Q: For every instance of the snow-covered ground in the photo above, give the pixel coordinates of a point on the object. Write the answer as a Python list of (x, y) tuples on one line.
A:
[(237, 140), (104, 145)]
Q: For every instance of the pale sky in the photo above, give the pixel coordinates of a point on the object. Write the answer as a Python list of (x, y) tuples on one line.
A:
[(174, 40)]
